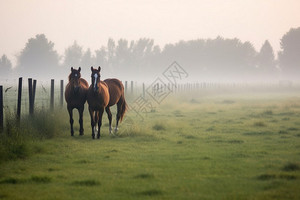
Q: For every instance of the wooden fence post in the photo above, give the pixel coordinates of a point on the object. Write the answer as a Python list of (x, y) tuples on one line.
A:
[(131, 87), (61, 93), (174, 88), (143, 90), (33, 92), (30, 96), (52, 95), (1, 108), (19, 100)]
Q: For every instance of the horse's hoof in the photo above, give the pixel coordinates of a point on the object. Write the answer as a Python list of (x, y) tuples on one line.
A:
[(81, 132), (116, 130), (93, 136), (98, 136)]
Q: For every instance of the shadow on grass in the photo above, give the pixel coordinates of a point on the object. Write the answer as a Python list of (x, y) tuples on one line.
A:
[(258, 133), (158, 127), (40, 179), (291, 167), (267, 177), (12, 181), (235, 141), (152, 192), (144, 176), (32, 179), (86, 183), (259, 124), (82, 162)]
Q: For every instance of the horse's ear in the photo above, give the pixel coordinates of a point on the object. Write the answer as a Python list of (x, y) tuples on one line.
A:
[(91, 68), (71, 68), (79, 69), (99, 68)]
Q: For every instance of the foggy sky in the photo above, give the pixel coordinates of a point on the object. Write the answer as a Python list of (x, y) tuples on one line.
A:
[(92, 22)]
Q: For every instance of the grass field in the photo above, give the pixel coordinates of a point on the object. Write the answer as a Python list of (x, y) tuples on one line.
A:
[(209, 146)]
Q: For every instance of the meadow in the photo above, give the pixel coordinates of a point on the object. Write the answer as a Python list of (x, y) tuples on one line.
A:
[(209, 145)]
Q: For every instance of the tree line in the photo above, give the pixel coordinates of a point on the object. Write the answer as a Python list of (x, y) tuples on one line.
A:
[(218, 59)]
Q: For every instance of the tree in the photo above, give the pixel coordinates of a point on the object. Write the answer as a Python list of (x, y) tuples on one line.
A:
[(73, 56), (266, 61), (111, 53), (101, 57), (38, 59), (87, 61), (142, 50), (213, 59), (123, 58), (5, 67), (289, 59)]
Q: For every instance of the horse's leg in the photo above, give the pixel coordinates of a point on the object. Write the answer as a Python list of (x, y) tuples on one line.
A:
[(100, 121), (92, 122), (119, 107), (109, 116), (80, 110), (70, 110), (96, 120)]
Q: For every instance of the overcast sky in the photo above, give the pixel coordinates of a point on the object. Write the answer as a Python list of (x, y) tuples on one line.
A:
[(92, 22)]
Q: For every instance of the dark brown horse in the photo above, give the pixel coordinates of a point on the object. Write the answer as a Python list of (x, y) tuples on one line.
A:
[(102, 95), (75, 95)]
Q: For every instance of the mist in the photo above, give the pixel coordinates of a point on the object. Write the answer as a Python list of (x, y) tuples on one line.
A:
[(213, 41), (213, 59)]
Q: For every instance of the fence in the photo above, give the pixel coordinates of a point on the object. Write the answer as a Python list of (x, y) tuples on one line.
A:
[(24, 98)]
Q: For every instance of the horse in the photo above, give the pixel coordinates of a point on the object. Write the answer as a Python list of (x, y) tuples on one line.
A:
[(75, 96), (102, 95)]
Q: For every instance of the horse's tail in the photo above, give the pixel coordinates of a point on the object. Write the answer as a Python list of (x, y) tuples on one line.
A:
[(124, 108)]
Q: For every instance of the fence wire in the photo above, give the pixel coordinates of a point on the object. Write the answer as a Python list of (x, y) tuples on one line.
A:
[(133, 90)]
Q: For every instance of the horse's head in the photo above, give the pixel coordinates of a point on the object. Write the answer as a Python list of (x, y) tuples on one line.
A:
[(95, 78), (74, 78)]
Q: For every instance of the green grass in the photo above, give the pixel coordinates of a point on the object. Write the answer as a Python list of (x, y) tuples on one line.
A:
[(210, 147), (19, 140)]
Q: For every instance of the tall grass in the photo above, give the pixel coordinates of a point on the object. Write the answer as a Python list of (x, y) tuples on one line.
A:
[(19, 140)]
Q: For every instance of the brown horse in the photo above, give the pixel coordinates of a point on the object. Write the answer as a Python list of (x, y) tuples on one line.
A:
[(116, 96), (75, 96), (102, 95)]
